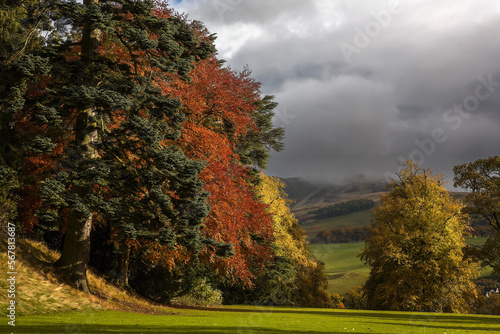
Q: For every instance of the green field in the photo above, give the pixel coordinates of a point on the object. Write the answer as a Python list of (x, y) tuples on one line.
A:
[(342, 266), (345, 270), (249, 319), (360, 218)]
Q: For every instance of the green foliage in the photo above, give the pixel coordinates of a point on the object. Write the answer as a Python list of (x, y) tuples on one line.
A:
[(415, 252), (341, 209), (254, 148), (201, 294), (88, 103), (482, 178)]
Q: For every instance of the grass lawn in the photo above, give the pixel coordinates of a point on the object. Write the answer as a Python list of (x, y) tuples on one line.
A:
[(239, 319)]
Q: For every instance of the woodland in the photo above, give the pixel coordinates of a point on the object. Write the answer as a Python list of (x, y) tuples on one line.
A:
[(131, 148)]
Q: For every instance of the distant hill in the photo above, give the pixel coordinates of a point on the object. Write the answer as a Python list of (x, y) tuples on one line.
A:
[(309, 195)]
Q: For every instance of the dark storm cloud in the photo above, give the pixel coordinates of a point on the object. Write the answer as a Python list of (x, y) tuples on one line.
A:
[(363, 84)]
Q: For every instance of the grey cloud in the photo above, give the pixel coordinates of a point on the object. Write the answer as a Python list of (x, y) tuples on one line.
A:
[(362, 116)]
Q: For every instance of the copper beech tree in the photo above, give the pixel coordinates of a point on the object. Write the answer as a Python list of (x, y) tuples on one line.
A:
[(222, 107)]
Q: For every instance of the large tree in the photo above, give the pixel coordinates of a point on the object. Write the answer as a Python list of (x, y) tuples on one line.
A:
[(482, 178), (92, 93), (415, 251)]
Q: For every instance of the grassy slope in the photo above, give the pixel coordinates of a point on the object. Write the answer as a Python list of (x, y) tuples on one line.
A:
[(39, 292), (345, 270), (342, 266), (259, 320), (41, 299)]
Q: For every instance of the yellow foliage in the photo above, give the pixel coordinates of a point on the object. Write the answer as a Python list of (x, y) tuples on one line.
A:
[(290, 240), (415, 250)]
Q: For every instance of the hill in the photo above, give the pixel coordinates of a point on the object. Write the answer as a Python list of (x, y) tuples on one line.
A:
[(308, 195), (37, 290)]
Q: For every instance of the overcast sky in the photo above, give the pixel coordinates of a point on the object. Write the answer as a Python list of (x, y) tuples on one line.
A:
[(364, 83)]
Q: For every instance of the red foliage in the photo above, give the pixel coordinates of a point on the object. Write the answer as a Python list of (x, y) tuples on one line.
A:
[(219, 104)]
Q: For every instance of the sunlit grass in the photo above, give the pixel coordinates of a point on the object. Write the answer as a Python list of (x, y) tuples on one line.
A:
[(259, 320)]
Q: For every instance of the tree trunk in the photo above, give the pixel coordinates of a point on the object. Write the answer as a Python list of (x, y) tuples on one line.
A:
[(72, 265), (123, 264)]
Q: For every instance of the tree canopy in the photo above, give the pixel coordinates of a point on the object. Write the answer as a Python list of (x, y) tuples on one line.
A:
[(120, 119), (416, 248), (482, 178)]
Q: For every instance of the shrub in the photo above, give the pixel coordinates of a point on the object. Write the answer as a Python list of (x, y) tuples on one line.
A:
[(201, 294)]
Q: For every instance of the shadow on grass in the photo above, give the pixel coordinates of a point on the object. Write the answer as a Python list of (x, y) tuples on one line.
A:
[(68, 328), (376, 315)]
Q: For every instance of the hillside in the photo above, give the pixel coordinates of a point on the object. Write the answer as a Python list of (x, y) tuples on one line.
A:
[(309, 195), (39, 292)]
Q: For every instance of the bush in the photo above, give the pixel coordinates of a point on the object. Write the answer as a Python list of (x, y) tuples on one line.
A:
[(201, 294), (355, 299)]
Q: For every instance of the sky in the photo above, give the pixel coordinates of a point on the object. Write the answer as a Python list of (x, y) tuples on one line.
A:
[(364, 84)]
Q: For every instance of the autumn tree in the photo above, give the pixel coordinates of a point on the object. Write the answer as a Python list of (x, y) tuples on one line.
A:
[(294, 277), (415, 251), (482, 179), (118, 159), (224, 109)]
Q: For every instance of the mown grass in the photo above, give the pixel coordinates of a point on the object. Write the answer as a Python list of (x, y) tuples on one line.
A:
[(257, 320)]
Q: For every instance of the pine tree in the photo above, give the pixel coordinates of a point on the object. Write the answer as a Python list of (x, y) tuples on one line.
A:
[(93, 91)]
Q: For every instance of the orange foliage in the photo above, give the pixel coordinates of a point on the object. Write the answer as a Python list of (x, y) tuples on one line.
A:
[(219, 104)]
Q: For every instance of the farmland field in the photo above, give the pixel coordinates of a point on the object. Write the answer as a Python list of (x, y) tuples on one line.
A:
[(355, 219), (342, 266)]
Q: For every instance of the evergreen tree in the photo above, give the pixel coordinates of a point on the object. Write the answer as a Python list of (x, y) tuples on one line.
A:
[(415, 251), (92, 92), (253, 148)]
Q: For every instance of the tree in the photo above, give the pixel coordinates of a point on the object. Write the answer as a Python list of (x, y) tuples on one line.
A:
[(289, 239), (223, 108), (482, 178), (415, 250), (294, 277), (93, 87), (20, 24)]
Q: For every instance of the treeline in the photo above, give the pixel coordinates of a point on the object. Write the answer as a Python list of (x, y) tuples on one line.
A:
[(129, 147), (342, 235), (341, 209)]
